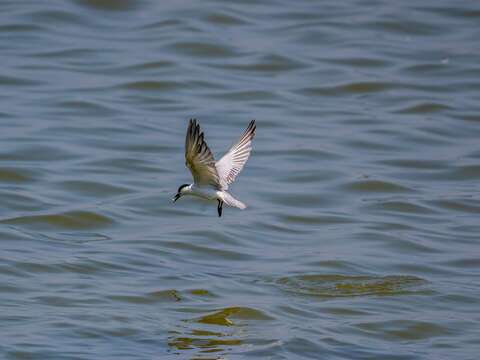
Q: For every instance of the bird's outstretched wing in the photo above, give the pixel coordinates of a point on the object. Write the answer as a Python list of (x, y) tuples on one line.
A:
[(230, 165), (199, 158)]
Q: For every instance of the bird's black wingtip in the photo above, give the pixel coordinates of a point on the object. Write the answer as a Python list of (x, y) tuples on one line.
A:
[(251, 127)]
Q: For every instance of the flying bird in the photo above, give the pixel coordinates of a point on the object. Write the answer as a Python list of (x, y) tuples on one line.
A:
[(211, 178)]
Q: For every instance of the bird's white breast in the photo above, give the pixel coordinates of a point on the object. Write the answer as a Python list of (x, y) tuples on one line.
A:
[(205, 192)]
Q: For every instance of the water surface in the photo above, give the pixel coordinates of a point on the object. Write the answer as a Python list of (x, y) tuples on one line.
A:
[(361, 236)]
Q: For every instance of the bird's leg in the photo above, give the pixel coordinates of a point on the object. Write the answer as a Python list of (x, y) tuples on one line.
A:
[(219, 207)]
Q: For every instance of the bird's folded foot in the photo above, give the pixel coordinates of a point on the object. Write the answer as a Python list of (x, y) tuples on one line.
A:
[(220, 207)]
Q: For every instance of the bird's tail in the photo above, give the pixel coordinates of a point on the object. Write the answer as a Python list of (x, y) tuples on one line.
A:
[(231, 201)]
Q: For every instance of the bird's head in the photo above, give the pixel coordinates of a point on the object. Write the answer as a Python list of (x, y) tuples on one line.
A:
[(181, 190)]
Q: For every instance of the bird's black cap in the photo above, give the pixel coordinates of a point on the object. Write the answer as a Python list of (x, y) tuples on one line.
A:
[(181, 187)]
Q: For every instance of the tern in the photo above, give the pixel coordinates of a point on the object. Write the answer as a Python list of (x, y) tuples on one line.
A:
[(210, 178)]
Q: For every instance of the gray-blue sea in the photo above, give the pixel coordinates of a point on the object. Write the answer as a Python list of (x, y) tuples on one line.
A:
[(361, 237)]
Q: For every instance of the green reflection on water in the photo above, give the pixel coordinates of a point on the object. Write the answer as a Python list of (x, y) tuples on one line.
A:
[(348, 286), (222, 317), (216, 332)]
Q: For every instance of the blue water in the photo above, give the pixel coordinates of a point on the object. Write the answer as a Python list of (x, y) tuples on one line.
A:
[(360, 240)]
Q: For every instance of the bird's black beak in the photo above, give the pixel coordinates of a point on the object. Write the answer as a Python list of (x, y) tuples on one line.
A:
[(176, 197)]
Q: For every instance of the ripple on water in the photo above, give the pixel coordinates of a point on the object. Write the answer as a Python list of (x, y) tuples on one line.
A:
[(204, 50), (17, 81), (416, 164), (251, 95), (375, 186), (20, 28), (404, 207), (75, 220), (404, 329), (362, 62), (20, 202), (58, 17), (224, 19), (469, 206), (15, 175), (217, 331), (267, 64), (92, 188), (37, 153), (149, 67), (84, 108), (462, 173), (205, 252), (332, 286), (357, 88), (205, 341), (109, 5), (226, 316), (407, 27), (316, 220), (423, 108), (96, 95), (363, 145), (152, 85), (154, 297)]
